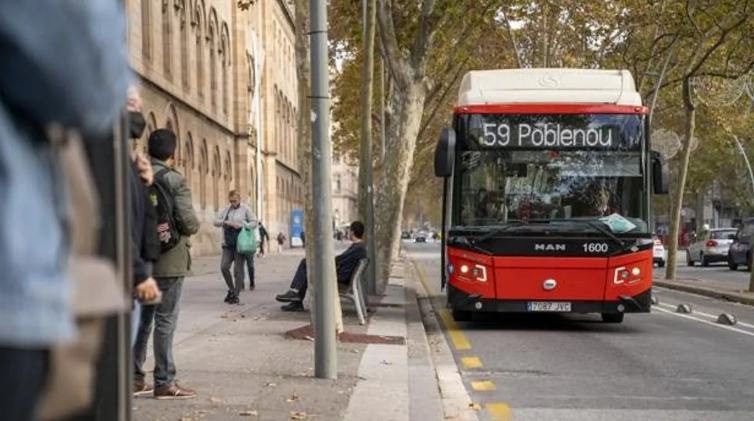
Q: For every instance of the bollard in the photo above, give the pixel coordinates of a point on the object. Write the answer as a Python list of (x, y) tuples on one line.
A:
[(683, 309), (655, 300), (727, 319)]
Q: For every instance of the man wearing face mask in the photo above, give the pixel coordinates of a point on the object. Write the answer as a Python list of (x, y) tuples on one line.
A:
[(145, 248)]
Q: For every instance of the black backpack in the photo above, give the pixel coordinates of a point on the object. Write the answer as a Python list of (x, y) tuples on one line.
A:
[(162, 199)]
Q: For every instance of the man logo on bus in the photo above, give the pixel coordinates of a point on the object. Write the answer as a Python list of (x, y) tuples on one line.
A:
[(550, 247)]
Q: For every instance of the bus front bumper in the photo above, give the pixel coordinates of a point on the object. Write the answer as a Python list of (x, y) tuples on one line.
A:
[(463, 301)]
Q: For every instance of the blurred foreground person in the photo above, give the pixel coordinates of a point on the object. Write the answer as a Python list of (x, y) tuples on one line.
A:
[(64, 64)]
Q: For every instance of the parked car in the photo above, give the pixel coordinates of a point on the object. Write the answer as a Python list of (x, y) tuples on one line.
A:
[(739, 253), (420, 237), (710, 247), (658, 252)]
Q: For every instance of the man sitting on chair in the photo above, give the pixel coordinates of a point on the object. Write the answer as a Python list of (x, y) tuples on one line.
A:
[(345, 265)]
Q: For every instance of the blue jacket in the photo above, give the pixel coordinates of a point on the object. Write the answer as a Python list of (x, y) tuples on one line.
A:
[(64, 62)]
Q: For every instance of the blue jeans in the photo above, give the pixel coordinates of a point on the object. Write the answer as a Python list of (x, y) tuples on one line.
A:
[(165, 317)]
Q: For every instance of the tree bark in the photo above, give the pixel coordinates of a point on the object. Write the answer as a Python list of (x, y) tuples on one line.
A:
[(304, 133), (367, 90), (683, 169), (407, 102)]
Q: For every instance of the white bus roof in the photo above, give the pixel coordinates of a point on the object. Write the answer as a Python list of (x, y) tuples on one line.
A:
[(548, 86)]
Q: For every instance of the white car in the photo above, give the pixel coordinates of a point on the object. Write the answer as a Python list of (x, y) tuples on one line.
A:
[(658, 252), (711, 247)]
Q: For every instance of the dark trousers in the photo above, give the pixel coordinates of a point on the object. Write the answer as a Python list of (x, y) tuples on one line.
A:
[(23, 373), (165, 317), (300, 283), (232, 258), (249, 258)]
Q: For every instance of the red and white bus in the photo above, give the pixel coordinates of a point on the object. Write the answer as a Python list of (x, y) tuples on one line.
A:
[(548, 183)]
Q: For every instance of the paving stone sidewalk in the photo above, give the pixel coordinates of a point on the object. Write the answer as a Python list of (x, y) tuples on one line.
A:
[(243, 367), (708, 288)]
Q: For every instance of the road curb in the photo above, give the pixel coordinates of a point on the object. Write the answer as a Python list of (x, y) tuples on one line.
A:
[(455, 398), (707, 292)]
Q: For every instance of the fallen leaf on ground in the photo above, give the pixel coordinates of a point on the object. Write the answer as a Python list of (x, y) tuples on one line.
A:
[(249, 414), (271, 384), (475, 406), (215, 401), (298, 415), (293, 398), (386, 362)]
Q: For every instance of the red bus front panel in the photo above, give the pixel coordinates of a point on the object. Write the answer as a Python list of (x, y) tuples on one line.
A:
[(575, 279)]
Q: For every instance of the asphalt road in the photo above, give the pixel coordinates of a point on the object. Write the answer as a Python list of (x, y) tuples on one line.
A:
[(661, 366)]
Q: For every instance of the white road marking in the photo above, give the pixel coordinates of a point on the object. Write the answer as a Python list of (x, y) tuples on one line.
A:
[(685, 316), (712, 316)]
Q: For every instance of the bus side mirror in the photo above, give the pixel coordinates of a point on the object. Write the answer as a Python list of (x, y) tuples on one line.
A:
[(659, 174), (445, 153)]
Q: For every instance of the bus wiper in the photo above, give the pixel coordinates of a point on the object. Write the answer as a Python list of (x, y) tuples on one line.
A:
[(496, 231)]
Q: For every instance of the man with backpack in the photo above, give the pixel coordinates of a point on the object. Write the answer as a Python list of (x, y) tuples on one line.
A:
[(176, 222)]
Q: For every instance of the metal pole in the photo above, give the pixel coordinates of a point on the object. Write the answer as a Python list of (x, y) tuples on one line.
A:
[(382, 104), (325, 345), (258, 60), (366, 156)]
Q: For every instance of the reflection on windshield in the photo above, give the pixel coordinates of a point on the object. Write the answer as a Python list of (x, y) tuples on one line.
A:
[(497, 186)]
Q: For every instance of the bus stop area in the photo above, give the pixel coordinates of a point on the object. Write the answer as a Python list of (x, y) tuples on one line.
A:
[(254, 361)]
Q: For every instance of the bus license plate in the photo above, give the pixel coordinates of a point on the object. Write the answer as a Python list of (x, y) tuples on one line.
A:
[(549, 306)]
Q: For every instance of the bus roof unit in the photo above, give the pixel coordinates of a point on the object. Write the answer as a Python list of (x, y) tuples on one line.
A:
[(548, 86)]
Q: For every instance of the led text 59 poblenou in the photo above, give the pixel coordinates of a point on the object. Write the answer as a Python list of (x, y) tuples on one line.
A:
[(546, 135)]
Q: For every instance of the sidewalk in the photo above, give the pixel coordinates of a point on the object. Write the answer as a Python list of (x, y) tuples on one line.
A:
[(708, 288), (243, 365)]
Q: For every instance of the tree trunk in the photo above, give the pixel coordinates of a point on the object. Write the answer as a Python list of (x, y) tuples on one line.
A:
[(683, 169), (367, 84), (407, 104), (304, 133)]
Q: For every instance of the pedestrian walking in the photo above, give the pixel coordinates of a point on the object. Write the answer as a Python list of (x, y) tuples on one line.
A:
[(264, 238), (232, 219), (174, 263)]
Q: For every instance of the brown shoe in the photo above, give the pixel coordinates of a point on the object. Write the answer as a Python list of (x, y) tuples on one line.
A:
[(174, 391), (142, 388)]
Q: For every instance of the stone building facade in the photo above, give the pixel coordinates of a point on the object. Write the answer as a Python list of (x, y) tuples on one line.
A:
[(198, 62)]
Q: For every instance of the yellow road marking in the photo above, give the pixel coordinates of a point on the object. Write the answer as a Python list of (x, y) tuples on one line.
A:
[(499, 411), (456, 335), (471, 362), (483, 386)]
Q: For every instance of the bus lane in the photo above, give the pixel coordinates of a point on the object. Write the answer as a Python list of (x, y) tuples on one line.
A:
[(659, 366)]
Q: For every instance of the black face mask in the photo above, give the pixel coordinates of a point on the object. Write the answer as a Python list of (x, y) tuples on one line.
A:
[(136, 124)]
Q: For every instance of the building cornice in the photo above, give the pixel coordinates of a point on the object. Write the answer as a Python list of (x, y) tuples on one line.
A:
[(287, 12)]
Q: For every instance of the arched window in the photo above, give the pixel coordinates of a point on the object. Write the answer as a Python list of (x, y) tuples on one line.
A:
[(146, 29), (184, 34), (189, 160), (199, 47), (216, 170), (203, 173), (225, 62), (211, 42), (167, 41), (229, 168)]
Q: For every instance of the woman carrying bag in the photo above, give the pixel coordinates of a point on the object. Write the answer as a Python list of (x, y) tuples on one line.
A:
[(236, 219)]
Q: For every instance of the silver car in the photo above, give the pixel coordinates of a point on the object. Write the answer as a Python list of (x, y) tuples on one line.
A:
[(710, 247)]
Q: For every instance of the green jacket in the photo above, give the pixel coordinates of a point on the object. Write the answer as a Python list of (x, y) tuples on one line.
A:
[(176, 262)]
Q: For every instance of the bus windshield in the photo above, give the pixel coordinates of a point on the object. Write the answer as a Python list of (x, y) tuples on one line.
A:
[(578, 167)]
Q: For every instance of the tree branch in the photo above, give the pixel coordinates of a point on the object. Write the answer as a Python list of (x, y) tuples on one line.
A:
[(427, 25), (514, 43), (388, 40), (440, 102)]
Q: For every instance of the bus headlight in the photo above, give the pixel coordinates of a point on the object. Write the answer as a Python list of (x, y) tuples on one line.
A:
[(476, 272), (622, 274)]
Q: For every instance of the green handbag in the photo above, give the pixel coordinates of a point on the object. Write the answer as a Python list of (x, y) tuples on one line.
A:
[(246, 243)]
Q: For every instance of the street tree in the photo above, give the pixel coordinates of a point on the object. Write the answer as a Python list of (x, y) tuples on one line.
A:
[(712, 37)]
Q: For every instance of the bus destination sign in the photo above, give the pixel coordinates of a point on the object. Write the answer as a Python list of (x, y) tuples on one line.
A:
[(548, 135)]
